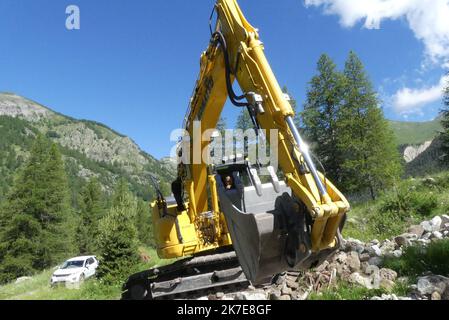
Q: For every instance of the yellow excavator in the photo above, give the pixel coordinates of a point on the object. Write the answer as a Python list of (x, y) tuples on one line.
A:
[(225, 226)]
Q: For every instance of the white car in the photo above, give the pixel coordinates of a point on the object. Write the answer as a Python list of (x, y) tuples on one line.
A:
[(75, 270)]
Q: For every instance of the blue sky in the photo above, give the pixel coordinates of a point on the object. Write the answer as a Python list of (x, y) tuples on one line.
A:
[(133, 64)]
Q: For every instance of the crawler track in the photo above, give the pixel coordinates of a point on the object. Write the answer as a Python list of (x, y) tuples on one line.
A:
[(186, 278)]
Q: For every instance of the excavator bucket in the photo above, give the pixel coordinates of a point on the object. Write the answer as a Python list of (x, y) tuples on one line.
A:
[(269, 231)]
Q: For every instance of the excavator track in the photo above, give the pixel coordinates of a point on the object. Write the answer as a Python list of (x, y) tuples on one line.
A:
[(189, 277)]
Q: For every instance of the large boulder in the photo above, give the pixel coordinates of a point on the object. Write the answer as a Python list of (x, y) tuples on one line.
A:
[(416, 230), (402, 241), (427, 226), (353, 261), (444, 219), (376, 261), (364, 257), (361, 280), (388, 274), (388, 247), (374, 250), (436, 223), (432, 283)]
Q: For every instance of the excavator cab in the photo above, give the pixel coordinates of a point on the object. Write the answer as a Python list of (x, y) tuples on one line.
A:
[(270, 229)]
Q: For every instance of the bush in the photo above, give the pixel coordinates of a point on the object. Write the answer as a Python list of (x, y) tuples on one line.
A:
[(418, 259), (404, 205), (406, 200), (387, 223), (440, 181), (118, 240), (118, 245)]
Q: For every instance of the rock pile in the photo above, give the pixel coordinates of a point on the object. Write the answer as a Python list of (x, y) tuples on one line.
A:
[(361, 264)]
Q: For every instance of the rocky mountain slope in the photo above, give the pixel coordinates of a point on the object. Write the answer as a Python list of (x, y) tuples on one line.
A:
[(423, 159), (419, 144), (90, 149)]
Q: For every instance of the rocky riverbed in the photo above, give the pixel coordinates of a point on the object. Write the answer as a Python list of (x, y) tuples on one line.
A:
[(360, 264)]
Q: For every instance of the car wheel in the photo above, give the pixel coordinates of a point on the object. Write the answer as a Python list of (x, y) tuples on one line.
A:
[(82, 278)]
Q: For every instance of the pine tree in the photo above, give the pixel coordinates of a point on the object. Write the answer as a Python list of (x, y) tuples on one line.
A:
[(221, 125), (445, 123), (320, 116), (144, 223), (92, 210), (244, 121), (370, 159), (118, 239), (37, 221)]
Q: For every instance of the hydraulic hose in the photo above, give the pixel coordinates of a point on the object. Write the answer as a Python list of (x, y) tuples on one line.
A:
[(218, 36)]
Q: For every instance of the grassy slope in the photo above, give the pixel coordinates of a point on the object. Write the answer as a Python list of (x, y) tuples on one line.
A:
[(409, 202), (411, 133), (381, 219), (38, 287)]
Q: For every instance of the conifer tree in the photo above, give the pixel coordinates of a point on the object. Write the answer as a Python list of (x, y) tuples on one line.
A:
[(144, 223), (445, 123), (221, 125), (245, 124), (320, 116), (91, 211), (118, 239), (370, 159), (244, 121), (37, 221)]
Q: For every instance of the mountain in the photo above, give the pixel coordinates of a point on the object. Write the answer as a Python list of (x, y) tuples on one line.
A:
[(415, 133), (90, 149), (427, 159), (419, 145)]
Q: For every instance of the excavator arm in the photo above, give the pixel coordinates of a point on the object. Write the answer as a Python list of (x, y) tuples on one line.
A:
[(324, 202)]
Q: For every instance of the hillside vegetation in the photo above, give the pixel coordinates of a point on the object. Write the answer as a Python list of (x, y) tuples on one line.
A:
[(89, 149), (406, 203), (415, 133)]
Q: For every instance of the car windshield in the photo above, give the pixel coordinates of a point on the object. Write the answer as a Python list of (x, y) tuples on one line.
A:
[(72, 264)]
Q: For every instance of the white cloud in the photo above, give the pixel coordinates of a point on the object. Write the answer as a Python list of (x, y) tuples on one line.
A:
[(428, 19), (411, 101)]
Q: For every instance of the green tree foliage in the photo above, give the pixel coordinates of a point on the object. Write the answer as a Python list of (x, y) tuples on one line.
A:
[(365, 140), (118, 238), (221, 125), (348, 130), (37, 221), (91, 211), (16, 135), (144, 223), (445, 123), (244, 121), (325, 98)]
